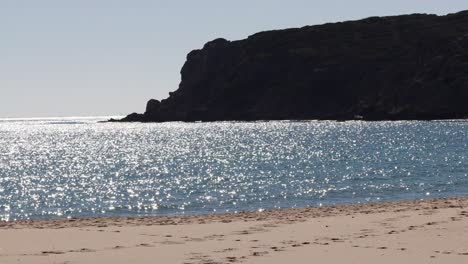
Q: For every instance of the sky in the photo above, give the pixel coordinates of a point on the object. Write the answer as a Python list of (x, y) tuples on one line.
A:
[(109, 57)]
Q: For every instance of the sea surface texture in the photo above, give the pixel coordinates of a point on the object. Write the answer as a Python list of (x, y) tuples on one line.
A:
[(77, 167)]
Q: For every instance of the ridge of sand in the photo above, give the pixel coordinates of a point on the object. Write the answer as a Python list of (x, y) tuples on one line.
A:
[(434, 231)]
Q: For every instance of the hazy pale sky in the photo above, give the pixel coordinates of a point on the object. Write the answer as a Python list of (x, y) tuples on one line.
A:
[(108, 57)]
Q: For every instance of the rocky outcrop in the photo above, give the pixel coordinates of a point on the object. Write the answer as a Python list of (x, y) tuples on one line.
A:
[(379, 68)]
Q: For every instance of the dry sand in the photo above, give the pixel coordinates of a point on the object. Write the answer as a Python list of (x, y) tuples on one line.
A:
[(409, 232)]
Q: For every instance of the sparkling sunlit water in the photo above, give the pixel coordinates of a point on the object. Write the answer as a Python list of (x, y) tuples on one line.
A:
[(80, 168)]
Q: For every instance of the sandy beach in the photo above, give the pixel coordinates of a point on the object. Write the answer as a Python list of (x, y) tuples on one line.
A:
[(433, 231)]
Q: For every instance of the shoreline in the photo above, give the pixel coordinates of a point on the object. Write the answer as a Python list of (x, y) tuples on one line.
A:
[(311, 212), (429, 231)]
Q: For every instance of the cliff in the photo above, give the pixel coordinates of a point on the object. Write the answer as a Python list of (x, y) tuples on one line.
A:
[(379, 68)]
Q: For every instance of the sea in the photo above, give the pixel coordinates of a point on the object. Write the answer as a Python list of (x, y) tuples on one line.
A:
[(80, 167)]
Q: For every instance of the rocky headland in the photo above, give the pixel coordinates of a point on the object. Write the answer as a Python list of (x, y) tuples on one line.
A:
[(410, 67)]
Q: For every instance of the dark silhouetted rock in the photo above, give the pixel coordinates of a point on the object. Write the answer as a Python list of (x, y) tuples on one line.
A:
[(379, 68), (134, 117)]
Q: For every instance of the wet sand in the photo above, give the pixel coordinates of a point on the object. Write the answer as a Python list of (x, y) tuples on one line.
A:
[(433, 231)]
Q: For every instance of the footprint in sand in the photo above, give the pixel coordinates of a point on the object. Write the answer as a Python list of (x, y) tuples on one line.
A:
[(83, 250), (231, 259), (277, 249), (144, 245), (52, 253), (259, 254), (225, 250)]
